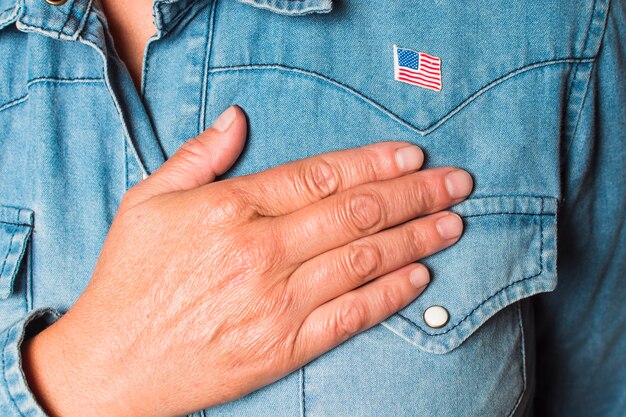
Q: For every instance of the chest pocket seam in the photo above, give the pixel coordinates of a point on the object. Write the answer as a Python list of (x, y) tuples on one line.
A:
[(23, 98), (495, 264), (495, 294)]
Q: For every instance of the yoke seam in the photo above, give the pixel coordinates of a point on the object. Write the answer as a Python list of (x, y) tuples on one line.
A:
[(422, 131)]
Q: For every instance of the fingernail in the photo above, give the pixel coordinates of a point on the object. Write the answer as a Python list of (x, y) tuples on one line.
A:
[(419, 276), (225, 120), (409, 158), (450, 226), (459, 183)]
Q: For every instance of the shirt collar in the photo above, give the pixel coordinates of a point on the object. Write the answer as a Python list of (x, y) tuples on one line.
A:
[(67, 20), (64, 21), (292, 7)]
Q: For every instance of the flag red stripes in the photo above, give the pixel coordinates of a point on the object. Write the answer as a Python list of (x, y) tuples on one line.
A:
[(418, 68)]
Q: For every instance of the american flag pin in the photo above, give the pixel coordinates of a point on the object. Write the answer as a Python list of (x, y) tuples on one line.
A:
[(417, 68)]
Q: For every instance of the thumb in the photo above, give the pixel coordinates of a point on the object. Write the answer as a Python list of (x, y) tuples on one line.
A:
[(199, 160)]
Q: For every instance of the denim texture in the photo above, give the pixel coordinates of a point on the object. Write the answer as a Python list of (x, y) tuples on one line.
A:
[(533, 105)]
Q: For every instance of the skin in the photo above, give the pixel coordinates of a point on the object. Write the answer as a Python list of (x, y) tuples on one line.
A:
[(205, 291), (131, 25)]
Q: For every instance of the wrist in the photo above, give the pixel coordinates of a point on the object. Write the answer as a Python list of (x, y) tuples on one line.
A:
[(65, 378)]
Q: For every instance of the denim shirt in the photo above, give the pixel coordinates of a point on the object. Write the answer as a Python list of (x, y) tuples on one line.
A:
[(532, 104)]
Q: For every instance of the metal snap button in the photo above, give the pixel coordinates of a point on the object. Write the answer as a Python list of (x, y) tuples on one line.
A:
[(56, 2), (436, 316)]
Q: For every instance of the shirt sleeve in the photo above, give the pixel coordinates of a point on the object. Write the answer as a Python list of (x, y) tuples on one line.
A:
[(16, 399), (581, 326)]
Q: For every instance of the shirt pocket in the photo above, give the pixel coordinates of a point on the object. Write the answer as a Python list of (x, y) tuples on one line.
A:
[(507, 253), (508, 249), (16, 226)]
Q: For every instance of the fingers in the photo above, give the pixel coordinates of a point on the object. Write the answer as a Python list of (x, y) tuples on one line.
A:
[(291, 186), (343, 317), (199, 160), (341, 270), (369, 208)]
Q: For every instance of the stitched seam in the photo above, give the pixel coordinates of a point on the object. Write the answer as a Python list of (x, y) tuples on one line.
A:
[(67, 19), (145, 65), (118, 109), (591, 19), (179, 16), (491, 296), (4, 263), (29, 275), (504, 212), (523, 361), (4, 375), (127, 165), (84, 18), (498, 81), (471, 312), (17, 224), (384, 109), (541, 240), (34, 81), (205, 76), (63, 80), (13, 102), (478, 197), (277, 9), (588, 81), (6, 10), (570, 138), (302, 393), (520, 321)]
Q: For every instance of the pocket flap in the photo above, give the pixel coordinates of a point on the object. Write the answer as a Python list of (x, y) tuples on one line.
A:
[(16, 225), (507, 252)]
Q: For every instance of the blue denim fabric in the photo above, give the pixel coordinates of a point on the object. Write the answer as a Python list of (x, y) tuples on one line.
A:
[(533, 104)]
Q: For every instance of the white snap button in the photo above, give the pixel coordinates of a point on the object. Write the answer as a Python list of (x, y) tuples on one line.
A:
[(436, 316)]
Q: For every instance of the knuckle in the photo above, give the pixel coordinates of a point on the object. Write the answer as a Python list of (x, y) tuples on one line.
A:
[(191, 147), (274, 240), (364, 211), (363, 259), (374, 163), (320, 178), (131, 197), (349, 319), (285, 301), (424, 194), (126, 199), (190, 151), (391, 298), (227, 204), (418, 239), (260, 252)]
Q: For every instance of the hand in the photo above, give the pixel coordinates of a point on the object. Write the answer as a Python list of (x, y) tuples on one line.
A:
[(205, 291)]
